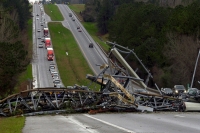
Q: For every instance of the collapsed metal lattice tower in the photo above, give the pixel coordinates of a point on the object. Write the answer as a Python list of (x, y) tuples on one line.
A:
[(121, 89)]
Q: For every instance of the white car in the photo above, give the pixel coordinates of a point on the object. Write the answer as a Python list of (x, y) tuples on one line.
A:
[(40, 45), (37, 18), (38, 30), (53, 73), (56, 82), (55, 76), (51, 68)]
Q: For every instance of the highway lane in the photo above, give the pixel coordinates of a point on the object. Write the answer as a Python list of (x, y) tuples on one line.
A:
[(164, 122), (40, 63), (93, 55), (174, 122), (78, 123)]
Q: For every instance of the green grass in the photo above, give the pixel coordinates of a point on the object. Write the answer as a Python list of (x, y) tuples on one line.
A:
[(53, 11), (77, 7), (12, 124), (27, 74), (90, 27), (72, 67), (92, 30)]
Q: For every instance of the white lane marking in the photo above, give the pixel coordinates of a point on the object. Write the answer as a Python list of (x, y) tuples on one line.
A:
[(39, 80), (90, 39), (179, 116), (81, 47), (121, 128), (81, 125)]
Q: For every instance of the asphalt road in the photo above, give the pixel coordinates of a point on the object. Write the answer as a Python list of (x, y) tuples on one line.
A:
[(40, 64), (164, 122), (93, 55)]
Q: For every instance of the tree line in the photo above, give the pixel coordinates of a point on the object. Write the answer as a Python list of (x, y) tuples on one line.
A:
[(165, 38), (14, 15)]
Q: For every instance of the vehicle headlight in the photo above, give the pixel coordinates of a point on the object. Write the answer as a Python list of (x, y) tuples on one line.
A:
[(176, 91), (185, 91)]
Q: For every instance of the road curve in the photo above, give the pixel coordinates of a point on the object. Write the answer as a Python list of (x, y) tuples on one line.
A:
[(93, 55)]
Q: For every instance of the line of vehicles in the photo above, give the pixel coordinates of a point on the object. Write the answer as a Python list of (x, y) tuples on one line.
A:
[(79, 29), (46, 42)]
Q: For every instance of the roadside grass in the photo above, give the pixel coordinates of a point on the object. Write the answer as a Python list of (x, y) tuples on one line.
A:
[(53, 11), (72, 67), (12, 124), (91, 27), (77, 8), (93, 31)]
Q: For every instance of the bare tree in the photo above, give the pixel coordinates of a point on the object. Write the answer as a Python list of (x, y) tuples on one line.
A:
[(181, 51)]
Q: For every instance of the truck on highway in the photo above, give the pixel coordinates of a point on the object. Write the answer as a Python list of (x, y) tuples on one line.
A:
[(50, 54), (46, 31), (47, 42)]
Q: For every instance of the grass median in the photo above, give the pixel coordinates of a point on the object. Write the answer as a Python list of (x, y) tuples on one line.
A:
[(90, 27), (72, 66), (53, 11)]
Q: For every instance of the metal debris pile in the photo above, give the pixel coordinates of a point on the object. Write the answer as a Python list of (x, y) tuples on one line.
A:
[(121, 89)]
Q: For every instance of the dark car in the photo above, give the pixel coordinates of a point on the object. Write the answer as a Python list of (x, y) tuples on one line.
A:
[(73, 19), (193, 92), (178, 90), (91, 45), (37, 15), (70, 14)]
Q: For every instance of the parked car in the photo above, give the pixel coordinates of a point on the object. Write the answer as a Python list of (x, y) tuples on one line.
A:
[(40, 45), (178, 90), (167, 91), (90, 45), (73, 19), (42, 39), (70, 14), (52, 64), (56, 76), (53, 73), (51, 68), (56, 82), (79, 30), (193, 92), (58, 85)]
